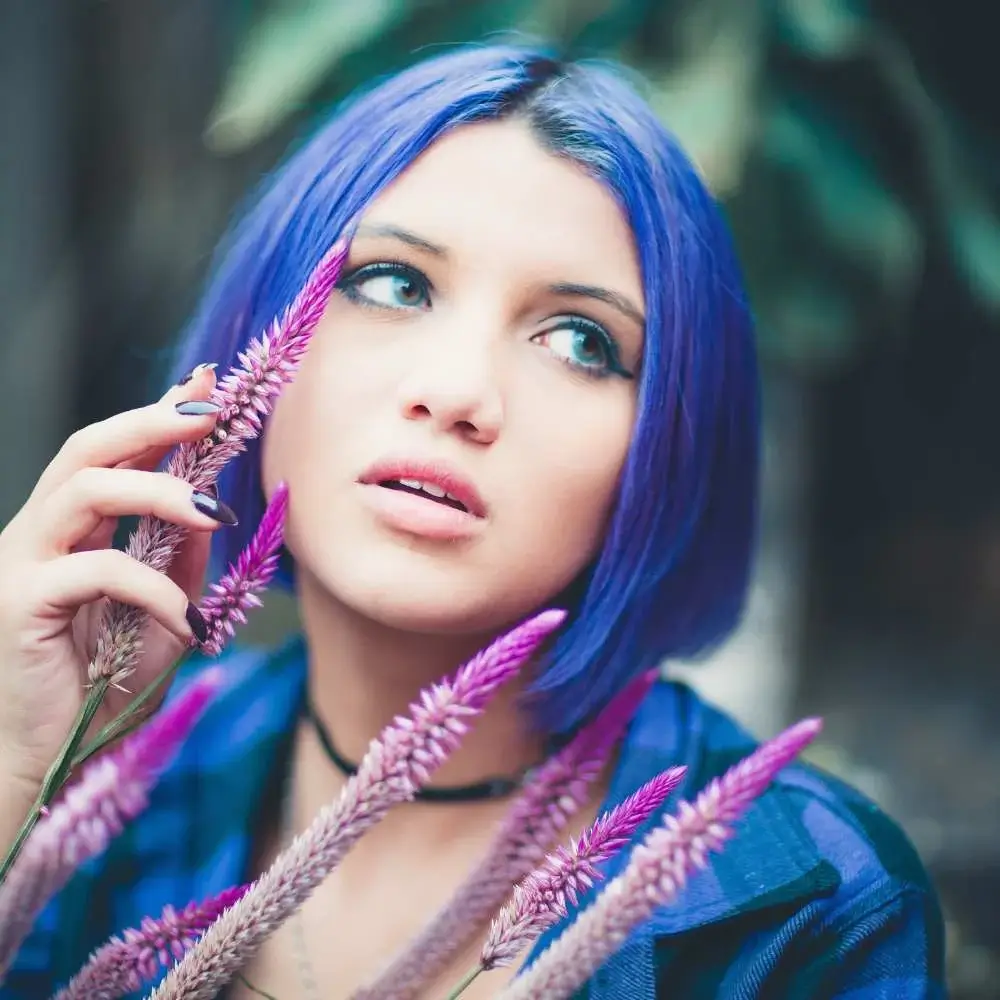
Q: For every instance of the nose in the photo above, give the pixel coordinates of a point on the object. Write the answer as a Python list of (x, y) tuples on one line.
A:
[(456, 392)]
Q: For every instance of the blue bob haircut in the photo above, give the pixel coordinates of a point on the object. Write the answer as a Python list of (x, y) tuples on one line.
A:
[(671, 578)]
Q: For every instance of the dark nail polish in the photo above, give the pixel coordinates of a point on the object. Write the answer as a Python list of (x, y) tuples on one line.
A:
[(214, 508), (196, 371), (196, 408), (196, 620)]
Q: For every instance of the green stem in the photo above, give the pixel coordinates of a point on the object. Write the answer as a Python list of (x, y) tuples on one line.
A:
[(58, 772), (465, 982), (253, 989), (126, 721)]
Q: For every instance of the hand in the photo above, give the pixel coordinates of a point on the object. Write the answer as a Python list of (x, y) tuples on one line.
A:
[(58, 570)]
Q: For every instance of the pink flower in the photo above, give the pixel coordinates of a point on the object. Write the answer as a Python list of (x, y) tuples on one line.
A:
[(542, 898), (401, 760), (246, 396), (121, 965), (552, 794), (238, 590), (93, 810), (657, 870)]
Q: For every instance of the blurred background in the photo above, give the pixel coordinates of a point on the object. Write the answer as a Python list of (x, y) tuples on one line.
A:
[(856, 147)]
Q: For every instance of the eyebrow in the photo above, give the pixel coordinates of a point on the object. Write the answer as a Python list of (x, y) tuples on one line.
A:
[(613, 299), (568, 288), (404, 236)]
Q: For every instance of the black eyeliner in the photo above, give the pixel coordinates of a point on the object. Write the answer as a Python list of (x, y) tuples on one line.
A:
[(615, 366)]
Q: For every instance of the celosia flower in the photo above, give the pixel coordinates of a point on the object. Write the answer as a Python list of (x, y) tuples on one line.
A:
[(657, 870), (245, 396), (93, 810), (397, 763), (543, 897), (124, 963), (552, 794), (238, 590)]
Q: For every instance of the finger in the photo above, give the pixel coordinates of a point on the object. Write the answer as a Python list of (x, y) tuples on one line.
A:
[(203, 379), (126, 437), (77, 509), (66, 584), (102, 537)]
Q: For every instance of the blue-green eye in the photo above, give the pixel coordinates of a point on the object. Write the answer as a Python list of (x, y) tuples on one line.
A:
[(586, 346), (388, 285)]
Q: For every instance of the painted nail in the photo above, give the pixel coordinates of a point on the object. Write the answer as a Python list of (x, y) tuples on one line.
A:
[(197, 370), (214, 508), (197, 408), (199, 627)]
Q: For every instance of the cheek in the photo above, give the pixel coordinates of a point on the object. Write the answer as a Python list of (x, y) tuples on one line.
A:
[(577, 453)]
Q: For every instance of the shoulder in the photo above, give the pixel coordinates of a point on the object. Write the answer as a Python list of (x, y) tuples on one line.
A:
[(819, 888)]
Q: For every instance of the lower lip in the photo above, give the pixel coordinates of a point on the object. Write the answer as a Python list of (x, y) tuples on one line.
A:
[(419, 516)]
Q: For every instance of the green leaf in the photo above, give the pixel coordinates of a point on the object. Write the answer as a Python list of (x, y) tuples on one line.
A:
[(823, 29), (855, 210), (974, 232), (710, 101), (286, 54)]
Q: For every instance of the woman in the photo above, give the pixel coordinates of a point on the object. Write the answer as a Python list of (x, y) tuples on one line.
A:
[(541, 318)]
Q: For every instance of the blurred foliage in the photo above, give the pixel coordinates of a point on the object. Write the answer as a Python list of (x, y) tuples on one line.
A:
[(839, 164)]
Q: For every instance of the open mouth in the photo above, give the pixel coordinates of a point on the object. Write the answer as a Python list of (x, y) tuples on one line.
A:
[(426, 490)]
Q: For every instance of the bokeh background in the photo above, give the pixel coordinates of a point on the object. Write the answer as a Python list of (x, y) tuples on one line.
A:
[(856, 147)]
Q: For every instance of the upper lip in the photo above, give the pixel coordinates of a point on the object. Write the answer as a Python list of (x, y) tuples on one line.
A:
[(437, 472)]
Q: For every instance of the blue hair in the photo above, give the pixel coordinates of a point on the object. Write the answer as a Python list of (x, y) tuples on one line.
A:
[(671, 578)]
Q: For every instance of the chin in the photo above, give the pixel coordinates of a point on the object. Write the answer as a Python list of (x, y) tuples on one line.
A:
[(412, 592)]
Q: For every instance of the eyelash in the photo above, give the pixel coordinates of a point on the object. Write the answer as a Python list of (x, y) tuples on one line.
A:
[(348, 286)]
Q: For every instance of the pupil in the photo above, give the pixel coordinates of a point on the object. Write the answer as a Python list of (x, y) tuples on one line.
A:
[(588, 346), (408, 289)]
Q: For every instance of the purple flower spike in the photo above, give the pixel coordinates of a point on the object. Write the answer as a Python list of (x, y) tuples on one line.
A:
[(112, 790), (397, 764), (122, 965), (246, 396), (545, 895), (552, 794), (657, 870), (238, 590)]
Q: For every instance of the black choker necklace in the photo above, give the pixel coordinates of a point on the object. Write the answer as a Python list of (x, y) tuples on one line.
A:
[(491, 788)]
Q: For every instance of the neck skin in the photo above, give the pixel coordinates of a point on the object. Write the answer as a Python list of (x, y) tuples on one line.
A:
[(362, 674)]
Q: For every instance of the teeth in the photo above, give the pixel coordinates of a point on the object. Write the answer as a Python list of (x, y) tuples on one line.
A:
[(451, 496), (417, 484)]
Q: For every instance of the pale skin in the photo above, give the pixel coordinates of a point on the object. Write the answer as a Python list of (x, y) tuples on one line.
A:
[(480, 350)]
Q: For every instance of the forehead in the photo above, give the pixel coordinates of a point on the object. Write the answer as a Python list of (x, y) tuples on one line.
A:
[(491, 191)]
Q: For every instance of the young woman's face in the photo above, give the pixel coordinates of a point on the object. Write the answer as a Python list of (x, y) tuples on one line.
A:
[(485, 343)]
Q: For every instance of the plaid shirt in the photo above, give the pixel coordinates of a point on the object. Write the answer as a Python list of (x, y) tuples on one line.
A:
[(818, 895)]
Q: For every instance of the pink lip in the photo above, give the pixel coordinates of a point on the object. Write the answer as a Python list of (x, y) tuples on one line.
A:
[(437, 473), (417, 515)]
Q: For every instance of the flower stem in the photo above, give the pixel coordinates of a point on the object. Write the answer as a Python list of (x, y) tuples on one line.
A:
[(465, 982), (58, 772), (126, 720)]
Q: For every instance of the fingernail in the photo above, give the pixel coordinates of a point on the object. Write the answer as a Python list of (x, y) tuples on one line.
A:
[(214, 508), (197, 370), (199, 627), (197, 408)]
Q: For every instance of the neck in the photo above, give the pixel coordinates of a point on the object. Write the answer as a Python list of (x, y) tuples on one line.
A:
[(362, 674)]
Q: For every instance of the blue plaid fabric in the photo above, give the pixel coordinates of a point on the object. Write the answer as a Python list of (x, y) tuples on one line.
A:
[(819, 895)]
